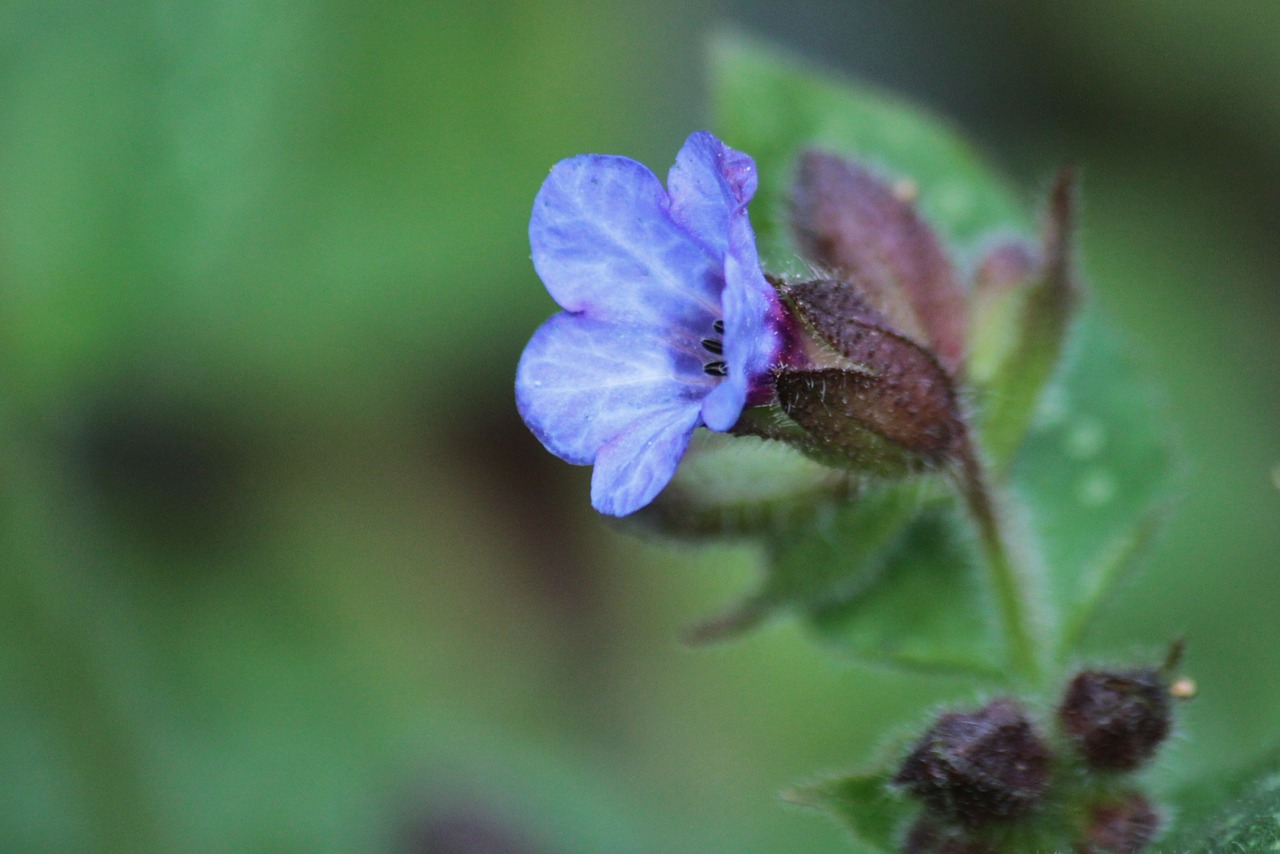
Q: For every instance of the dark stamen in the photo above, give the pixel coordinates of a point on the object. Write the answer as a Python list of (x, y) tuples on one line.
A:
[(712, 345), (718, 326), (716, 369)]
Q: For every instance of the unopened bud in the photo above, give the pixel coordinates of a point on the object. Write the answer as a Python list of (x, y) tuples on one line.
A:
[(1117, 720), (978, 768), (1126, 825), (877, 383), (1007, 265), (1019, 331), (851, 220), (929, 836)]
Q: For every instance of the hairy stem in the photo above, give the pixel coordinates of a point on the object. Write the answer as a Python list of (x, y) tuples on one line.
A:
[(1009, 581)]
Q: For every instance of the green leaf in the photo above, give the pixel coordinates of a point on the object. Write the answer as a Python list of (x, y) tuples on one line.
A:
[(1249, 822), (864, 802), (1093, 474), (830, 558), (930, 609)]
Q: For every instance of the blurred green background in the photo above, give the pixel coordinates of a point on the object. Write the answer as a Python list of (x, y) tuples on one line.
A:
[(281, 570)]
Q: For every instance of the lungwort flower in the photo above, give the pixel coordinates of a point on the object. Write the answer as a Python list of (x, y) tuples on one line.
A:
[(668, 322)]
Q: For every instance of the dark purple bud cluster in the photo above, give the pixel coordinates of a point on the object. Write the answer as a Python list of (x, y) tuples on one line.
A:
[(987, 778)]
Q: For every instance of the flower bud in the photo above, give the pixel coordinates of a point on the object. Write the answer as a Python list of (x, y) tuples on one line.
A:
[(1121, 826), (872, 394), (978, 768), (1000, 285), (1007, 265), (929, 836), (848, 219), (1020, 328), (1117, 720)]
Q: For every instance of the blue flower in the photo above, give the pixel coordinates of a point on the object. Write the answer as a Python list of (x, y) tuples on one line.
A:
[(668, 322)]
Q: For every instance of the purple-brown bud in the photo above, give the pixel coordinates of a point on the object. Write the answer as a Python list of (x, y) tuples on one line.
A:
[(1124, 825), (1006, 265), (979, 768), (879, 394), (1117, 720), (929, 836), (848, 219)]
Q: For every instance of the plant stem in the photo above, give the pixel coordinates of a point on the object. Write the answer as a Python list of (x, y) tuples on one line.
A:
[(1008, 580)]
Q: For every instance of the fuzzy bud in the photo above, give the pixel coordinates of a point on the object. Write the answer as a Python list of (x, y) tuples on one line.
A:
[(928, 836), (1117, 720), (866, 227), (881, 396), (979, 768), (1006, 265), (1121, 826)]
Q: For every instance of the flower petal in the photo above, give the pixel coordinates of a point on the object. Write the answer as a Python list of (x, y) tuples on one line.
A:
[(752, 343), (582, 381), (604, 244), (708, 184), (640, 357), (723, 406), (633, 468)]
